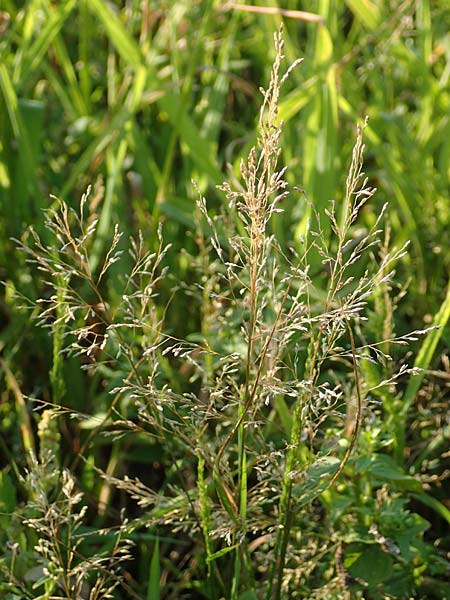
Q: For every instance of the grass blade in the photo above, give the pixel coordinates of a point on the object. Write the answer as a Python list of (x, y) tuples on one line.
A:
[(427, 351), (366, 11), (118, 35), (154, 591), (39, 48), (422, 362), (22, 411)]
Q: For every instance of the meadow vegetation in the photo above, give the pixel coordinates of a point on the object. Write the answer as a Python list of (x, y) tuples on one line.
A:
[(225, 301)]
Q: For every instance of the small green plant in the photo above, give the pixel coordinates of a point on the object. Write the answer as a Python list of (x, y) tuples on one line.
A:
[(256, 414), (50, 552)]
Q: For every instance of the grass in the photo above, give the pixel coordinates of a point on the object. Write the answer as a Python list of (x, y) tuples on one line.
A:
[(235, 378)]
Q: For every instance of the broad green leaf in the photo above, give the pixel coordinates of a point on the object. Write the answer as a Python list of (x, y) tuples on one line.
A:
[(384, 469), (371, 565), (314, 480)]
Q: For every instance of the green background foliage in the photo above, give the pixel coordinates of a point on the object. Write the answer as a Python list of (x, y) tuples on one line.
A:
[(140, 98)]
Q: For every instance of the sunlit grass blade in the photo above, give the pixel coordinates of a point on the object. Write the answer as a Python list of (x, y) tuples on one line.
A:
[(367, 11), (320, 140), (294, 102), (38, 49), (117, 33), (434, 504), (216, 95), (71, 85)]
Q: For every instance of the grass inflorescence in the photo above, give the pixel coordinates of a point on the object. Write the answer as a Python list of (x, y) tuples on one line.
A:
[(225, 414)]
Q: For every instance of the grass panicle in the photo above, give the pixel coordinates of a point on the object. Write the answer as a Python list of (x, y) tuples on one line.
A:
[(243, 392)]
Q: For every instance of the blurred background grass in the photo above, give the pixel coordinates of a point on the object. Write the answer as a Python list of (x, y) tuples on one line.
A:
[(146, 96), (138, 98)]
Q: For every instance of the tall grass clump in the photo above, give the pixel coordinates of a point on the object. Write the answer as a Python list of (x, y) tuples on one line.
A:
[(256, 414)]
